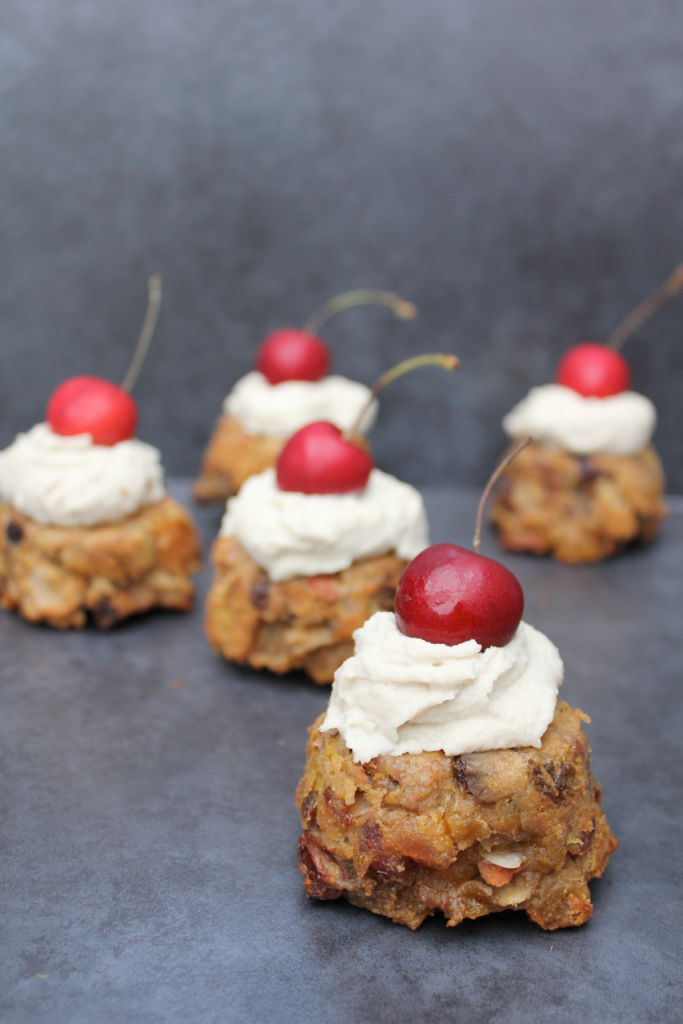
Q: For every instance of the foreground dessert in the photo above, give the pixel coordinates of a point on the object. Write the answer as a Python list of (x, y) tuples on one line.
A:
[(445, 774), (404, 836), (310, 550), (591, 484), (87, 529), (290, 387)]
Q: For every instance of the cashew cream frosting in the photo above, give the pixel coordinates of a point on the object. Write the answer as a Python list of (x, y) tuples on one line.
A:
[(71, 481), (292, 534), (402, 695), (279, 410), (618, 425)]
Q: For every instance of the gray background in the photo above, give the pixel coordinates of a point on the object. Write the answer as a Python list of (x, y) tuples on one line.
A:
[(515, 168)]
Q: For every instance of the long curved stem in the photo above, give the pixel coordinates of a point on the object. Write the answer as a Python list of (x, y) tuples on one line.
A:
[(361, 297), (146, 334), (645, 309), (495, 476), (447, 361)]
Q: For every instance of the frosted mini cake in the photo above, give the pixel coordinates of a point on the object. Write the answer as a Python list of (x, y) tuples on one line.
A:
[(591, 483), (87, 528), (290, 387), (445, 775)]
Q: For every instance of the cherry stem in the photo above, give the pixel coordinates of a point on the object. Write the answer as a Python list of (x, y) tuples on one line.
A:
[(647, 308), (448, 362), (146, 334), (362, 297), (495, 476)]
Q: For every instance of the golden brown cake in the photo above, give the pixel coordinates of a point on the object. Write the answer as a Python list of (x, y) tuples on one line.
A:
[(302, 623), (231, 457), (60, 575), (578, 508), (405, 836)]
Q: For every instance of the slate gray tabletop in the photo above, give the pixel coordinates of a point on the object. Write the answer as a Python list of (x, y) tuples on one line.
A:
[(149, 837)]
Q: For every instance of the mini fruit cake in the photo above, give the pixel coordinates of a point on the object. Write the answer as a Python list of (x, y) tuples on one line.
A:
[(290, 387), (298, 570), (311, 549), (86, 525), (445, 774), (591, 483)]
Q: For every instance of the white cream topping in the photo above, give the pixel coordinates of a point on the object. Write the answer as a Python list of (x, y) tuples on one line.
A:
[(292, 534), (618, 425), (402, 695), (70, 481), (279, 410)]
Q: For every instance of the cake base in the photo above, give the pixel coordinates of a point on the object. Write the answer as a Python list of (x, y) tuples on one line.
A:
[(61, 575), (407, 836), (305, 623), (231, 457), (578, 508)]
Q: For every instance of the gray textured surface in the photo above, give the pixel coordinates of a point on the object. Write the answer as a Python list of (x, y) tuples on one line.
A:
[(515, 168), (150, 833)]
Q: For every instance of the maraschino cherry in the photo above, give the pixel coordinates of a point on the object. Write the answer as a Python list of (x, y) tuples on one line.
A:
[(599, 371), (293, 353), (92, 405), (448, 594), (594, 370), (318, 459), (321, 459)]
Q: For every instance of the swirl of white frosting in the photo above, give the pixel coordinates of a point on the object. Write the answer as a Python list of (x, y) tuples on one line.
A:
[(279, 410), (292, 534), (70, 481), (618, 425), (402, 695)]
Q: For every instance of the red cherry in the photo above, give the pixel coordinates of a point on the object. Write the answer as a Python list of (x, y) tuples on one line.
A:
[(319, 460), (292, 354), (593, 369), (448, 595), (90, 405)]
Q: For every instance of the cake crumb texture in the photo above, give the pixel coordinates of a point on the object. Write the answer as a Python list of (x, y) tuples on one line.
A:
[(578, 508), (62, 575), (231, 457), (303, 623), (407, 836)]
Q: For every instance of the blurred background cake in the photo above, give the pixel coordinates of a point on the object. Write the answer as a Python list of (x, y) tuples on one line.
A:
[(289, 387), (88, 530), (591, 483), (311, 549)]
